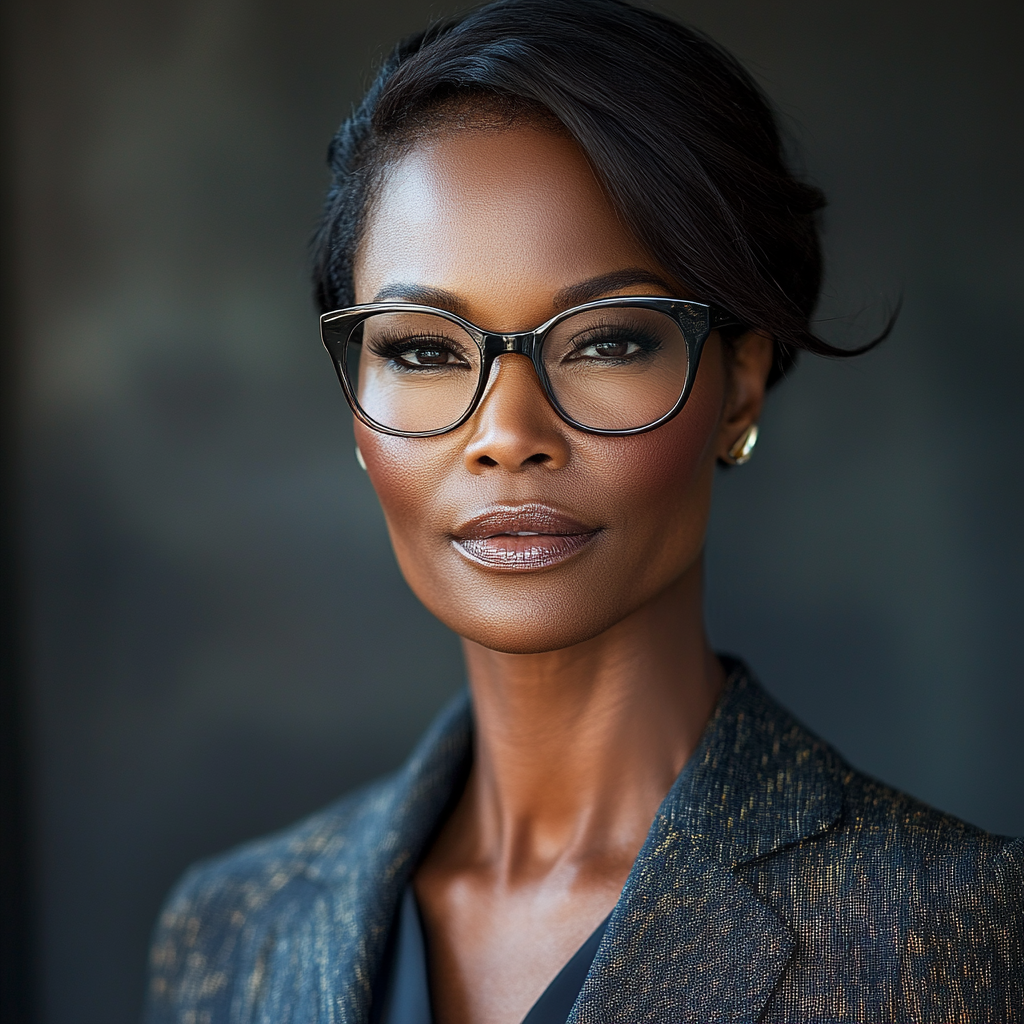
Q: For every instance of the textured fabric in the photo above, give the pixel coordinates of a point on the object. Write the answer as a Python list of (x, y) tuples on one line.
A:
[(776, 885)]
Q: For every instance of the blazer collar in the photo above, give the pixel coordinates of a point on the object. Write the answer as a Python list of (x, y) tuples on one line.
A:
[(758, 780), (687, 940), (366, 864)]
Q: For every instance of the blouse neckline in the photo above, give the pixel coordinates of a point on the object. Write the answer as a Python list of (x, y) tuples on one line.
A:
[(402, 992)]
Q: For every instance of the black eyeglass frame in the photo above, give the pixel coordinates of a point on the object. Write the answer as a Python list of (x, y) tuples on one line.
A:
[(696, 321)]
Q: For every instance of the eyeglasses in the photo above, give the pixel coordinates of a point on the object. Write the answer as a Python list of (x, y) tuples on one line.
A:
[(615, 366)]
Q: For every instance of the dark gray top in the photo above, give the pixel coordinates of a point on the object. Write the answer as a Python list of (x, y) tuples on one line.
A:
[(776, 884)]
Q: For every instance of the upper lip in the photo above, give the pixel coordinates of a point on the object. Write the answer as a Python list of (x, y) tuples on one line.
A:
[(520, 519)]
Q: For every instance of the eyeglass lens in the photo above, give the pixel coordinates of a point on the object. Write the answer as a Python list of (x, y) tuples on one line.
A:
[(611, 368)]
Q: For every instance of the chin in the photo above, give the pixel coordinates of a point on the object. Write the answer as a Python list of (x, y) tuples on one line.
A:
[(527, 624), (508, 638)]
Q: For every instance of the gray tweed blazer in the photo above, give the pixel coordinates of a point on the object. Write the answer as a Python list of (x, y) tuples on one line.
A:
[(776, 884)]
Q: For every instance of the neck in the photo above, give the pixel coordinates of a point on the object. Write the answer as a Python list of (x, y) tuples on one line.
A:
[(576, 748)]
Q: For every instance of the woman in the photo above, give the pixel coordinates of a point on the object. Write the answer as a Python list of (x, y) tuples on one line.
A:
[(560, 263)]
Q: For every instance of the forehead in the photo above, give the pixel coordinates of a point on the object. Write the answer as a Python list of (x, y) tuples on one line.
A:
[(499, 217)]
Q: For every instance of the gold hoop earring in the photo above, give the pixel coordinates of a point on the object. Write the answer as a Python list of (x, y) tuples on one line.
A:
[(360, 459), (743, 448)]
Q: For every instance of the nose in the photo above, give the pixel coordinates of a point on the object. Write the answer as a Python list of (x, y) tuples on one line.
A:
[(515, 427)]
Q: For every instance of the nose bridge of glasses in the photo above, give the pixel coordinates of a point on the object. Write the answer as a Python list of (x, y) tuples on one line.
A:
[(522, 344), (495, 345)]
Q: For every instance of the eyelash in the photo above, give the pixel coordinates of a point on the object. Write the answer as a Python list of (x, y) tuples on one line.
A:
[(395, 346), (597, 335)]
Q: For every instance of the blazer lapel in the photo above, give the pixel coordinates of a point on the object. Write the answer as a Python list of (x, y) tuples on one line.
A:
[(366, 871), (688, 941)]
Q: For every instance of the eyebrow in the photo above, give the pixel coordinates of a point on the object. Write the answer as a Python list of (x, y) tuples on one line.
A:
[(574, 295), (596, 287), (422, 295)]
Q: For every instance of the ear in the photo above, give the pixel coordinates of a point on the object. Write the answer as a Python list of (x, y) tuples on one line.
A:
[(749, 362)]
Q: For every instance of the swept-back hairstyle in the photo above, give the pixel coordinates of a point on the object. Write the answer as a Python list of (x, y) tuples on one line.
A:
[(681, 137)]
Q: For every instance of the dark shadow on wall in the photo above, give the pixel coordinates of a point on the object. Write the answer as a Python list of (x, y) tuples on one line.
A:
[(219, 639), (17, 964)]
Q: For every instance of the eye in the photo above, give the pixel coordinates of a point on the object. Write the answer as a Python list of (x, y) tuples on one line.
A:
[(427, 355), (613, 348), (418, 353)]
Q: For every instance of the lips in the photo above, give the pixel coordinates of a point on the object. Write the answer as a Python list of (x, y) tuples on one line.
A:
[(522, 537)]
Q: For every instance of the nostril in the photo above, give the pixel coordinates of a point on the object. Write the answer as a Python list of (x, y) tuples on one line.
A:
[(486, 460), (539, 459)]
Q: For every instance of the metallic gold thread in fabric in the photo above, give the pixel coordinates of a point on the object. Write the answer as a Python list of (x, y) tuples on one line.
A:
[(776, 884)]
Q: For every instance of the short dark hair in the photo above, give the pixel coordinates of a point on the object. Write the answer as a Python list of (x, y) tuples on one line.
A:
[(678, 132)]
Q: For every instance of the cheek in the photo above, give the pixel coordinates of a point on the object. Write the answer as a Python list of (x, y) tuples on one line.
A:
[(407, 474), (665, 476), (421, 485)]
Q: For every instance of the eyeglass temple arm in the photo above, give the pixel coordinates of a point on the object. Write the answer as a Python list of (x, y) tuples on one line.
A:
[(719, 318)]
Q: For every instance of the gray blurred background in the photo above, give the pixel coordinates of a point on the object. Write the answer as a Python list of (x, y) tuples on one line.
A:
[(219, 640)]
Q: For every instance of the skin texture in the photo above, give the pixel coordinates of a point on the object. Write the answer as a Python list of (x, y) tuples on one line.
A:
[(592, 679)]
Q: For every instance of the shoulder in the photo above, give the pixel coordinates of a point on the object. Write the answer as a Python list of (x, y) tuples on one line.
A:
[(898, 911), (923, 911), (885, 822), (282, 927), (881, 838), (954, 883), (224, 908), (861, 828), (258, 870), (779, 801)]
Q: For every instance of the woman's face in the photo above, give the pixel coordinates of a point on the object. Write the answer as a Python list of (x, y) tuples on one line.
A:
[(516, 530)]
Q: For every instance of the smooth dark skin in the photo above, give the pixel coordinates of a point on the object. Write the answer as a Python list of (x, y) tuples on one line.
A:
[(592, 680)]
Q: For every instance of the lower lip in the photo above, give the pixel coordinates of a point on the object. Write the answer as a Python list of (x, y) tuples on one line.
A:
[(537, 551)]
